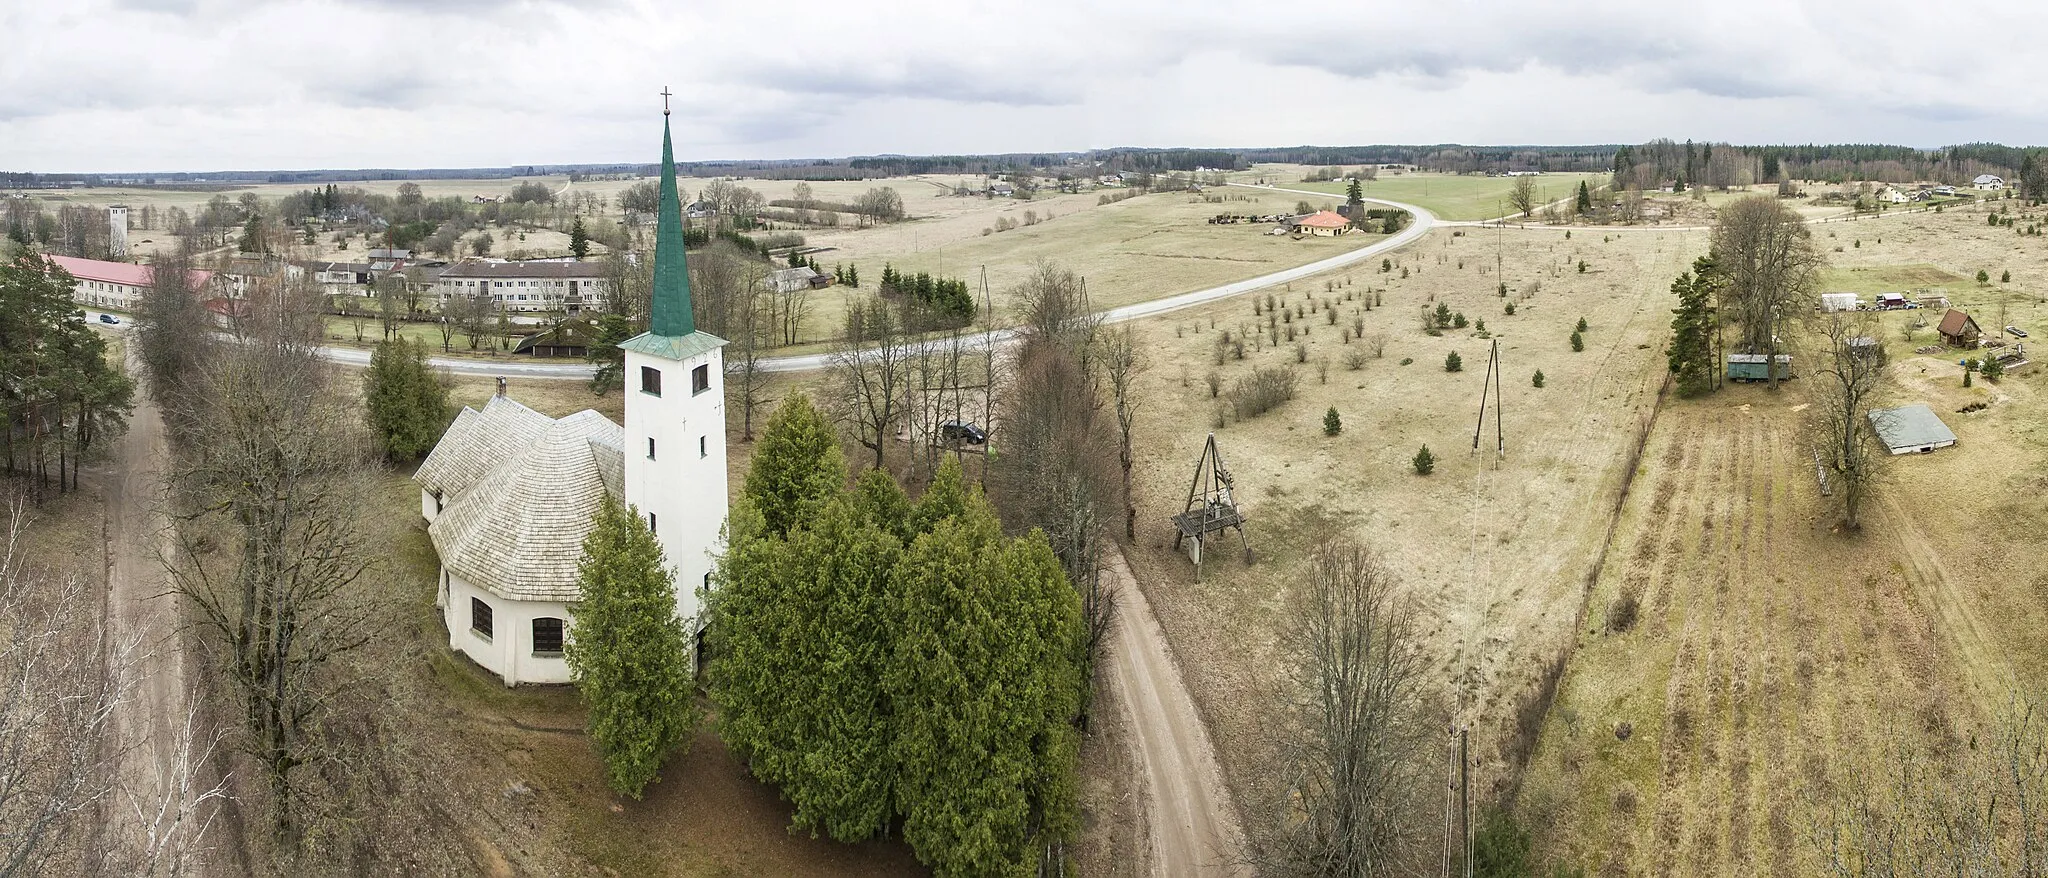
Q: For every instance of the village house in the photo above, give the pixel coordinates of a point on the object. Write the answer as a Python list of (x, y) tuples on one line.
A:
[(339, 278), (790, 280), (116, 285), (1323, 223), (510, 494), (1958, 330), (1988, 182), (527, 286)]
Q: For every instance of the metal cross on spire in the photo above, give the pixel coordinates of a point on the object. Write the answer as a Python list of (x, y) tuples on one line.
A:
[(664, 100)]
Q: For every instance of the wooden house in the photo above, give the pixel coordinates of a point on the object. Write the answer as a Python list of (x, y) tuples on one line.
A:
[(1958, 330)]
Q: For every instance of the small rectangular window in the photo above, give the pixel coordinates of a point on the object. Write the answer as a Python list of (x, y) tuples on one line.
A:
[(700, 379), (650, 448), (650, 522), (480, 617), (650, 380), (703, 447), (547, 637)]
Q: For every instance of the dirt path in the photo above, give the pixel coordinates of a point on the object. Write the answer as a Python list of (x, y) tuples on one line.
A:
[(149, 721), (1189, 823)]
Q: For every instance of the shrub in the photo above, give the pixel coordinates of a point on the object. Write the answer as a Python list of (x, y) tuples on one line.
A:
[(1442, 317), (1503, 289), (1332, 425), (1511, 309), (1479, 325), (1458, 321), (1425, 462), (1537, 379), (2005, 278), (1578, 343), (1582, 266), (1215, 383), (1261, 392), (1501, 847), (1992, 368), (1582, 325), (1406, 360), (1300, 352), (1452, 363), (1355, 359), (1983, 277), (1621, 614)]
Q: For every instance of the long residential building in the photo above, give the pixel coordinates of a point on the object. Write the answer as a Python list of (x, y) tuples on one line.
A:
[(116, 285), (527, 286)]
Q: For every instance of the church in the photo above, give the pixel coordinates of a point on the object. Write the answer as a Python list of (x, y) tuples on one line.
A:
[(509, 494)]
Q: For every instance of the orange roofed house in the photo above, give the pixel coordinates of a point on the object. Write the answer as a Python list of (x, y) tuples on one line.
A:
[(1323, 223), (1958, 330)]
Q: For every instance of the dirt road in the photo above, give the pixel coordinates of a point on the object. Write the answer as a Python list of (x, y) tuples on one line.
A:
[(150, 720), (1190, 825)]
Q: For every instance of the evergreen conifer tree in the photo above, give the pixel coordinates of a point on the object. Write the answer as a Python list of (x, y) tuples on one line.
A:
[(628, 652), (407, 406), (797, 467), (579, 239), (1585, 198), (1691, 354)]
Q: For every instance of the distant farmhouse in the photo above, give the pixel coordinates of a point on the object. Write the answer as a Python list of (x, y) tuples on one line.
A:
[(1988, 182), (1323, 223), (1959, 330)]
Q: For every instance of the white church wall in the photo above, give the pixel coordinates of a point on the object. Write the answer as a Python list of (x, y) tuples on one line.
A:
[(430, 509), (684, 485), (508, 650)]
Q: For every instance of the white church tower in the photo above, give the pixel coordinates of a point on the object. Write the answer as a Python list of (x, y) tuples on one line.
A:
[(675, 413), (117, 231)]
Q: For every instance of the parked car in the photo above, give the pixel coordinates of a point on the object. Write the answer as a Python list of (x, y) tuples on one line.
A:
[(959, 433), (109, 319), (2016, 331)]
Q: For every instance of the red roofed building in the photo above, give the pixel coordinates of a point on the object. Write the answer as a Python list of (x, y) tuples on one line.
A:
[(1323, 222), (113, 284)]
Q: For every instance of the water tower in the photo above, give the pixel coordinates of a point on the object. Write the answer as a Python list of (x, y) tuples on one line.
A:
[(117, 231)]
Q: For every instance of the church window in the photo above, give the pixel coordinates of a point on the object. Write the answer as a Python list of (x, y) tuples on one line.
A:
[(650, 380), (480, 617), (703, 447), (547, 637), (650, 522), (700, 379), (650, 448)]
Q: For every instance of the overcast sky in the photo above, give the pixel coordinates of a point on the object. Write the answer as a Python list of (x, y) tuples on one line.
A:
[(163, 85)]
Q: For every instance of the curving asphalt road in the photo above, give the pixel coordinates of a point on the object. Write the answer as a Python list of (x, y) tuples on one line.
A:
[(1424, 221)]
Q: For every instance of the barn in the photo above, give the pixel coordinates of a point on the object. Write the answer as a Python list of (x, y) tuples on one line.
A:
[(1959, 330), (1911, 428)]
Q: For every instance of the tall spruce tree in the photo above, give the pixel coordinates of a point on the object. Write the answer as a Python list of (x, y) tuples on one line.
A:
[(407, 406), (1691, 355), (1585, 198), (579, 239), (628, 652)]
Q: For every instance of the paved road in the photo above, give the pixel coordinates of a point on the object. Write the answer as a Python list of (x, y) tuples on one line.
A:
[(1424, 221)]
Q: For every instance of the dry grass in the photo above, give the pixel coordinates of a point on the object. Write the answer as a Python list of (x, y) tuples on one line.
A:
[(1449, 196), (1774, 651), (1499, 556)]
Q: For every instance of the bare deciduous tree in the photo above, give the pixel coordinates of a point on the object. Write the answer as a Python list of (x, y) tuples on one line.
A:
[(1981, 811), (751, 330), (869, 369), (1851, 374), (1766, 253), (1358, 722), (1523, 195), (1120, 367)]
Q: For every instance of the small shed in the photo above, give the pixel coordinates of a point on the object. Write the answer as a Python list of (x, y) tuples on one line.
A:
[(1891, 301), (1751, 367), (1958, 330), (1832, 302), (571, 339), (1911, 429)]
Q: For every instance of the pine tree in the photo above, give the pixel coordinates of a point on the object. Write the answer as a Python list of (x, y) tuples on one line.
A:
[(628, 652), (407, 406), (797, 468), (1425, 462), (1578, 342), (1585, 198), (1332, 424), (853, 276), (579, 239), (1355, 193), (1537, 379), (1453, 364)]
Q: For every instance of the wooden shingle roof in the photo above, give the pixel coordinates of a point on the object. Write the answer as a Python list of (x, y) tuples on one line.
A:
[(519, 531), (477, 442)]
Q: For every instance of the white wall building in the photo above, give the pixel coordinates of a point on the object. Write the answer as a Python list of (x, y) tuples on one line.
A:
[(510, 494), (1988, 182), (527, 286), (115, 285), (117, 230)]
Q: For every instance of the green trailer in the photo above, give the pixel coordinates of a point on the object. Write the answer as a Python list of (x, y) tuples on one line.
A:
[(1754, 367)]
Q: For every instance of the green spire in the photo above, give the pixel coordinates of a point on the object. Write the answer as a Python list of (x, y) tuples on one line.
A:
[(671, 315)]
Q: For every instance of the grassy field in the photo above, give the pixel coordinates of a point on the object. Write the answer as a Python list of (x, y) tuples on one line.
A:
[(1496, 555), (1455, 196), (1776, 654)]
